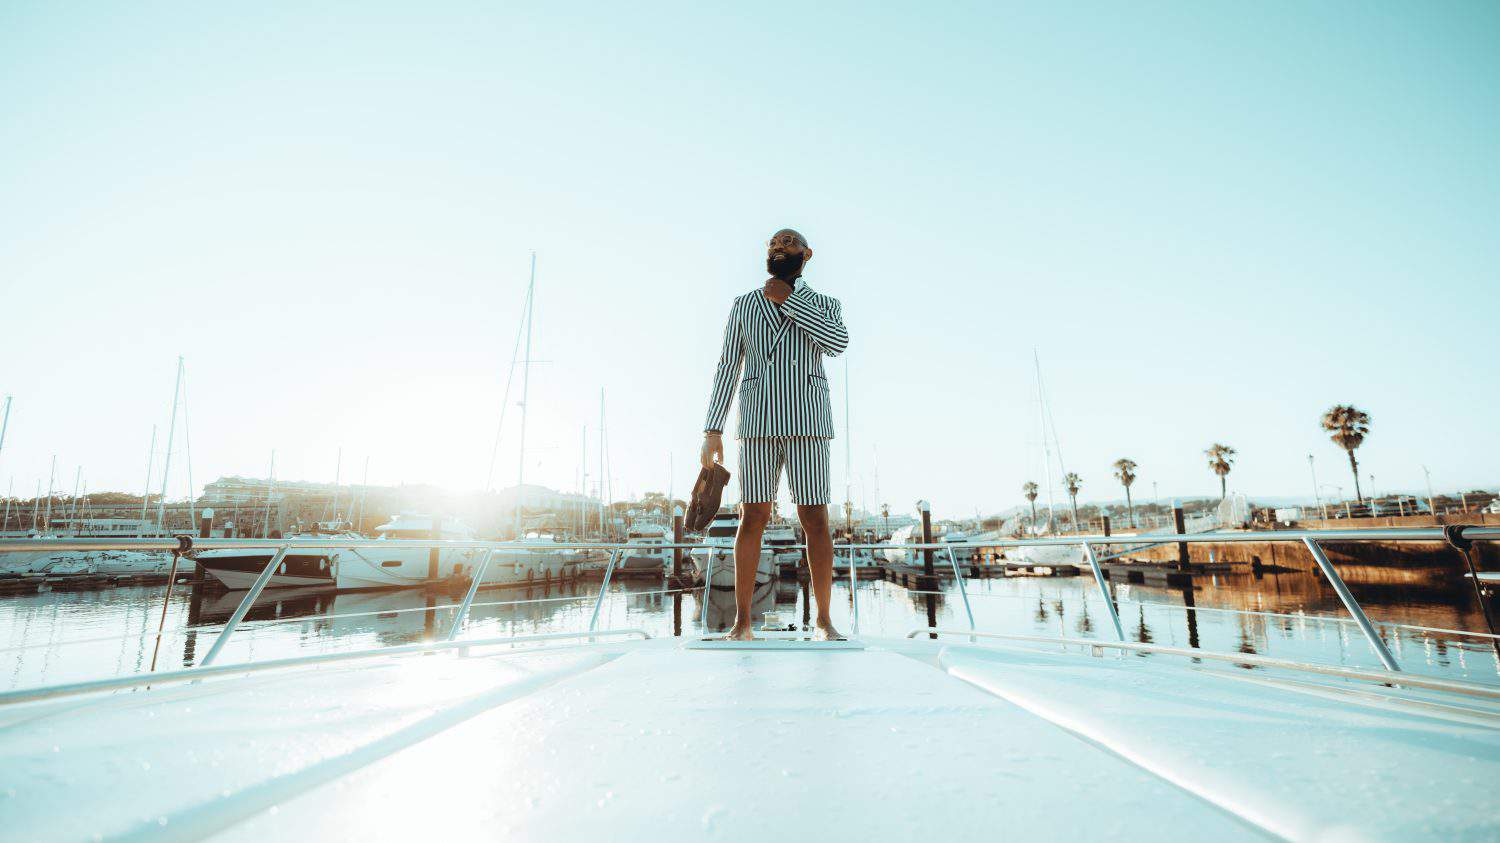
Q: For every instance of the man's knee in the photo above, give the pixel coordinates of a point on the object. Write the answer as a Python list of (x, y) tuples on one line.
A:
[(814, 519), (755, 516)]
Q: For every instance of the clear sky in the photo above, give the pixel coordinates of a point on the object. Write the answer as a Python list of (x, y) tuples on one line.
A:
[(1211, 220)]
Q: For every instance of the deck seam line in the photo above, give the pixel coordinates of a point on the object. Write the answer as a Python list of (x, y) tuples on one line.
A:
[(1263, 826)]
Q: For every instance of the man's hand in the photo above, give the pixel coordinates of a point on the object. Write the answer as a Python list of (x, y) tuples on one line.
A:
[(777, 290), (713, 446)]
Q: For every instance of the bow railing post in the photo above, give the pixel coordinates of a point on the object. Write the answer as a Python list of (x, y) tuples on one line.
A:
[(239, 612), (603, 590), (1352, 605), (708, 581), (463, 610), (853, 589), (963, 592), (1109, 601)]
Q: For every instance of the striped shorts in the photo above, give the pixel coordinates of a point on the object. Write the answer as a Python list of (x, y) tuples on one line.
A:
[(805, 459)]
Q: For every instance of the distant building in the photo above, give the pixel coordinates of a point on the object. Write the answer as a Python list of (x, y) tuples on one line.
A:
[(540, 498)]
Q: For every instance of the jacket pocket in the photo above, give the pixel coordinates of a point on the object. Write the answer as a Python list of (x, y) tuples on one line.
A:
[(749, 383), (818, 381)]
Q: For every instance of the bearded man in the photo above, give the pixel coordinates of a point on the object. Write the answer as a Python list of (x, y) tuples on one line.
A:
[(779, 334)]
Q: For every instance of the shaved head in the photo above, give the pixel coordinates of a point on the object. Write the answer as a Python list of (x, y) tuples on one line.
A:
[(802, 241)]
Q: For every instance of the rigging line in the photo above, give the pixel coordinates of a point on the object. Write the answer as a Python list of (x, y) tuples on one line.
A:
[(505, 399), (1056, 443)]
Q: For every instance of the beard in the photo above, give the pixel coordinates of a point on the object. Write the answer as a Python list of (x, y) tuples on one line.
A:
[(785, 267)]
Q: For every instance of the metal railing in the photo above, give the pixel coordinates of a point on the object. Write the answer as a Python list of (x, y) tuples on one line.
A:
[(202, 671), (280, 547), (1411, 680)]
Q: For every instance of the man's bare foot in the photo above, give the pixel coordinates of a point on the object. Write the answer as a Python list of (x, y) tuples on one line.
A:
[(824, 631), (740, 632)]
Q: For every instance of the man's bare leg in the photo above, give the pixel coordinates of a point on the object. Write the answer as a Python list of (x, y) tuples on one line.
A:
[(753, 520), (814, 521)]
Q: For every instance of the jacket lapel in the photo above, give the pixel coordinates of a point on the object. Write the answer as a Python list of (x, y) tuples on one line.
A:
[(767, 313)]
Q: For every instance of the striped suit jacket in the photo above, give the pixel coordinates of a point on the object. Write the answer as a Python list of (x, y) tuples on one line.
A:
[(784, 391)]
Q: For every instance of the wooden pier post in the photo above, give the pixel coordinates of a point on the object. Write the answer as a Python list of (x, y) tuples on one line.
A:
[(926, 510), (676, 540), (1182, 548), (432, 553)]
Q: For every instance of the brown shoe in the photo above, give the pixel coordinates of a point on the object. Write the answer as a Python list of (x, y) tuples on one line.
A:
[(706, 494)]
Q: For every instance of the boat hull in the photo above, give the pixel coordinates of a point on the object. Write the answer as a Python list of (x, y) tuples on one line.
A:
[(240, 569), (722, 558)]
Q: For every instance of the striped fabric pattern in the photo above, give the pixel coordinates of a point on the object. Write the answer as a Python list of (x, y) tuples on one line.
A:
[(805, 459), (784, 391)]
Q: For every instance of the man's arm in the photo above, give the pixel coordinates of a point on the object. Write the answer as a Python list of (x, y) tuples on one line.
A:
[(727, 375), (825, 327)]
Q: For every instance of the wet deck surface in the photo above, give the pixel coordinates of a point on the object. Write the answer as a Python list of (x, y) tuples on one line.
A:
[(740, 745), (897, 741)]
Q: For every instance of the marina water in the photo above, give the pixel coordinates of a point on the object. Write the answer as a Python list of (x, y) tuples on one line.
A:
[(59, 636)]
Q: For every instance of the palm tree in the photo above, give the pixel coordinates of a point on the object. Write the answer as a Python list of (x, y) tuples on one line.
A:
[(1348, 426), (1125, 473), (1073, 483), (1029, 489), (1220, 460)]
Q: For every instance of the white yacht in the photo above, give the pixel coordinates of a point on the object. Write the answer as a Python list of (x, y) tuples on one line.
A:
[(409, 567), (529, 564), (239, 568), (781, 539), (717, 552), (647, 553), (909, 534), (862, 557)]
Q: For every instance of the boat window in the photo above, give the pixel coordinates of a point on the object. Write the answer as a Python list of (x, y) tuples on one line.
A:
[(392, 563)]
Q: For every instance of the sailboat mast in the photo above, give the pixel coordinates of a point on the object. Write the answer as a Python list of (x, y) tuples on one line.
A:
[(166, 472), (51, 476), (338, 466), (146, 492), (1041, 408), (265, 527), (599, 475), (489, 481), (364, 489), (4, 424), (187, 452), (525, 387), (848, 463), (73, 509)]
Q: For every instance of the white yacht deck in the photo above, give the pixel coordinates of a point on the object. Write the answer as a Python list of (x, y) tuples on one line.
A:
[(904, 739)]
